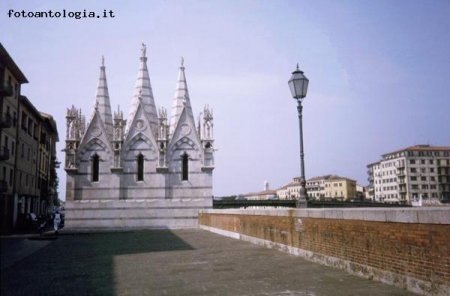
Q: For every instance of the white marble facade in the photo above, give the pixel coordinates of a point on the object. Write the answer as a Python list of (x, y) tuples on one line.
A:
[(142, 157)]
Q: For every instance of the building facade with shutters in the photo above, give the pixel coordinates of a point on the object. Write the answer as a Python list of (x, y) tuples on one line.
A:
[(327, 187), (407, 174), (24, 187)]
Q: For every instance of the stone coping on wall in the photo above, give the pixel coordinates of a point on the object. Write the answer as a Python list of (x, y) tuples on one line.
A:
[(426, 215)]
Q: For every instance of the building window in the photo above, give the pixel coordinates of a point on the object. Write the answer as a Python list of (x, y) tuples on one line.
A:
[(412, 161), (24, 121), (431, 161), (413, 170), (30, 127), (431, 170), (11, 177), (95, 168), (140, 167), (184, 167)]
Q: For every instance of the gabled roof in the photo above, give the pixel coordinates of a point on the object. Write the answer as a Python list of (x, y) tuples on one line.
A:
[(8, 61)]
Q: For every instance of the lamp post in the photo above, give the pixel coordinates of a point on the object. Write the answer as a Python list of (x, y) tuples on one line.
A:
[(299, 87)]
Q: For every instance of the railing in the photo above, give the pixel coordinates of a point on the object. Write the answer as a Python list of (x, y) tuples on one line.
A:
[(233, 204), (4, 153), (6, 121), (6, 89)]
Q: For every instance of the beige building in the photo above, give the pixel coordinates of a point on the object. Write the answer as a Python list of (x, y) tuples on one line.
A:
[(21, 127), (340, 188), (326, 187), (407, 174)]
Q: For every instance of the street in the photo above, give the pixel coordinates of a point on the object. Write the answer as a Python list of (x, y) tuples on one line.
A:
[(179, 262)]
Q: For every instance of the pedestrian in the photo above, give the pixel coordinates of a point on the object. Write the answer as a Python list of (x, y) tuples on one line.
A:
[(56, 221)]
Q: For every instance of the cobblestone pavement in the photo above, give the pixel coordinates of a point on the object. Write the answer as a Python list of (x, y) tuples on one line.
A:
[(180, 262)]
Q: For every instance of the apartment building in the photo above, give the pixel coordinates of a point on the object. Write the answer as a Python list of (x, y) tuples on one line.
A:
[(328, 187), (407, 174), (21, 127), (340, 188)]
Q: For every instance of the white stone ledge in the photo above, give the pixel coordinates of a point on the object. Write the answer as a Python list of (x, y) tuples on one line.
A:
[(425, 215)]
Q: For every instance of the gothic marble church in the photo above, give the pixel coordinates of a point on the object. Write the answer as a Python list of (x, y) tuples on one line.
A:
[(145, 171)]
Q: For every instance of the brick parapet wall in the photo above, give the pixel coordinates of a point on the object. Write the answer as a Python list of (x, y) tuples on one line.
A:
[(409, 248)]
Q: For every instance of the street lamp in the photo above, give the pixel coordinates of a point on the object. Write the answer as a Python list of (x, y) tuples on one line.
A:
[(299, 87)]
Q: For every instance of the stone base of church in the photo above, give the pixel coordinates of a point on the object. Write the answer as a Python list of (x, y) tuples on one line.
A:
[(133, 214)]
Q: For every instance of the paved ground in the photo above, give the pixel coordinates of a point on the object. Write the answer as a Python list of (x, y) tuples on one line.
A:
[(182, 262)]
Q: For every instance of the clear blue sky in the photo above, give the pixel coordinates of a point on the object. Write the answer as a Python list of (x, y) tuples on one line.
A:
[(379, 75)]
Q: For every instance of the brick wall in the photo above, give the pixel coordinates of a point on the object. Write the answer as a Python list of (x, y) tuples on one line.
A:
[(409, 248)]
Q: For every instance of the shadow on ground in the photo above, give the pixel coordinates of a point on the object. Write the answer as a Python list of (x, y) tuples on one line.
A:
[(82, 264)]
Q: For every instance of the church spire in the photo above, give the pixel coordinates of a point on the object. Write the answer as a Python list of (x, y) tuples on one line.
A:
[(102, 101), (143, 94), (180, 100)]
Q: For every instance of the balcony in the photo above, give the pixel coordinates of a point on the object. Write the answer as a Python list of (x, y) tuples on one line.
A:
[(443, 171), (3, 186), (6, 121), (402, 190), (4, 153), (401, 173), (6, 89), (400, 164)]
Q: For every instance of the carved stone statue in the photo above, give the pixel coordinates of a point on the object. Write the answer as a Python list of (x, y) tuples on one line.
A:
[(144, 50)]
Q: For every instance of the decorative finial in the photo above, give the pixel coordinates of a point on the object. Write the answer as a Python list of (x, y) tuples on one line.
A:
[(103, 61), (297, 66), (144, 50), (182, 62)]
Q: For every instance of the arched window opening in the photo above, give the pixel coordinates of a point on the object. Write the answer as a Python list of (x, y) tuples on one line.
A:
[(140, 167), (95, 168), (185, 167)]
